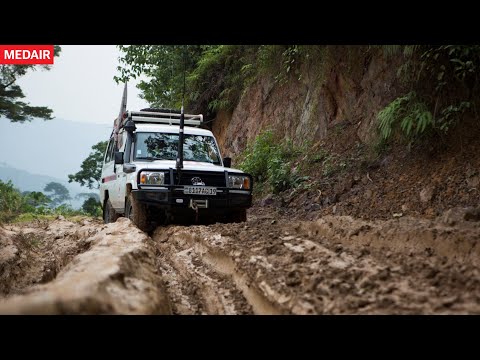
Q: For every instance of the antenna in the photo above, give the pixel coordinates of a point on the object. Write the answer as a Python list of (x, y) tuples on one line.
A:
[(179, 164)]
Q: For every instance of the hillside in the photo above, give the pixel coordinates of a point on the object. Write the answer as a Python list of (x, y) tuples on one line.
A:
[(331, 105)]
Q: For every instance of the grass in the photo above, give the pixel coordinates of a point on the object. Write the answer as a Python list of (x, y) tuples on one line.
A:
[(28, 217)]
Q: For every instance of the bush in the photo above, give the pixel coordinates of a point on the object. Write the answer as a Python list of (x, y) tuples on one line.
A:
[(270, 161), (412, 115), (66, 210), (12, 202), (444, 83), (92, 207)]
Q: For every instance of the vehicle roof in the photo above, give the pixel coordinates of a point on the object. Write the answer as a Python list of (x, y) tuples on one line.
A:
[(173, 129)]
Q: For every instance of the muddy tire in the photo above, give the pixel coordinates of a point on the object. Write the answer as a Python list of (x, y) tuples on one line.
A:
[(238, 216), (109, 213), (137, 213)]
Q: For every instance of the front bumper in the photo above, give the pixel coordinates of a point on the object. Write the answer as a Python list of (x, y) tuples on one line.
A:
[(172, 196)]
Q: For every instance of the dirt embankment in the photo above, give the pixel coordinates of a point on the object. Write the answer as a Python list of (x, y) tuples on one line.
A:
[(113, 271), (268, 265)]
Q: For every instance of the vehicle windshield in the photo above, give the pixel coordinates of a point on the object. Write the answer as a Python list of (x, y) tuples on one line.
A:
[(164, 146)]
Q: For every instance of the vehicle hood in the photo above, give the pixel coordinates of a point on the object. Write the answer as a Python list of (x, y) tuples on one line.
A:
[(187, 165)]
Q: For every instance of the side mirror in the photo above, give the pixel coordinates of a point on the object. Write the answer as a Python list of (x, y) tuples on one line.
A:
[(227, 162), (118, 157), (129, 168)]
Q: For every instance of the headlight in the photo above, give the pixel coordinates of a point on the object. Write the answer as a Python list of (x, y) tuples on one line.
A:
[(239, 182), (152, 178)]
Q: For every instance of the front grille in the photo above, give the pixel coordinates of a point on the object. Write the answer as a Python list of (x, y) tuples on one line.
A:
[(216, 179)]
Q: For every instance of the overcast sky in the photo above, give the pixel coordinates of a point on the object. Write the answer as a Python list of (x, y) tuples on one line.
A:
[(80, 85)]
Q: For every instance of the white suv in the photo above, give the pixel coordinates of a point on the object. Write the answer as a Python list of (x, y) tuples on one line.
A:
[(141, 181)]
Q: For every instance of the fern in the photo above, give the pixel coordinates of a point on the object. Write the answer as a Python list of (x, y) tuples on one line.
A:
[(413, 115)]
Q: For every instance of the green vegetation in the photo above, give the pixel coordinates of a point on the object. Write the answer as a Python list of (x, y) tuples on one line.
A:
[(91, 168), (11, 202), (17, 206), (216, 75), (271, 162), (92, 207), (11, 107), (278, 165), (58, 193), (443, 82), (89, 176)]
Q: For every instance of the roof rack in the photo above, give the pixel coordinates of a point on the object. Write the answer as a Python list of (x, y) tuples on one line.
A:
[(163, 118)]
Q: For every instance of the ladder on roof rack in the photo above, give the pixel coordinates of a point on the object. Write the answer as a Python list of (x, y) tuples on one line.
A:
[(163, 118)]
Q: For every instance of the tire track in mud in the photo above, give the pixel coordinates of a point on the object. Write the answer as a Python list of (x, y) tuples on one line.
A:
[(195, 263), (193, 287), (333, 266)]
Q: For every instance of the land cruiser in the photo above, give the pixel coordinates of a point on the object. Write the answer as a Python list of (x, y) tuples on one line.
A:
[(148, 178)]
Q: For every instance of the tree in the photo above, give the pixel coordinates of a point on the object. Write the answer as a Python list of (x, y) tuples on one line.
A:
[(36, 198), (59, 193), (10, 93), (164, 66), (92, 206), (215, 75), (91, 168), (86, 195)]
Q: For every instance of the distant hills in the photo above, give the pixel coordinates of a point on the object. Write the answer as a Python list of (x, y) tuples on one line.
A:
[(54, 148), (26, 181), (35, 153)]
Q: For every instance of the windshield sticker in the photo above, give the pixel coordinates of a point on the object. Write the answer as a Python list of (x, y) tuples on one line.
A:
[(139, 152)]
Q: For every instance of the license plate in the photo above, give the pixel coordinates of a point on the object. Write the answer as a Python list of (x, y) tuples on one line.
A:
[(199, 190)]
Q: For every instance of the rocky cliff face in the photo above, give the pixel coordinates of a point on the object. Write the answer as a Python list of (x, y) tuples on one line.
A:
[(348, 87)]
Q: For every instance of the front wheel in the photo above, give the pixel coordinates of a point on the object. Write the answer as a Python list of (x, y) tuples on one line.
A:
[(109, 213), (136, 212)]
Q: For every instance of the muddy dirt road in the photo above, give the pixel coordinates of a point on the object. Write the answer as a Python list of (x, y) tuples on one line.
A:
[(268, 265)]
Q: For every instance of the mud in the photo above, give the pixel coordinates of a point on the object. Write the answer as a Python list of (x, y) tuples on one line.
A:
[(117, 275), (336, 265), (35, 253), (268, 265)]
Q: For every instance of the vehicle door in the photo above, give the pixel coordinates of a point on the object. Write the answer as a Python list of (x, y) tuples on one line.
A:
[(118, 198), (108, 176)]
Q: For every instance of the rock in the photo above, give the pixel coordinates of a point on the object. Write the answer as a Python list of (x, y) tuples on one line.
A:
[(427, 193), (397, 215), (334, 209), (368, 194), (405, 208), (60, 217), (273, 222)]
